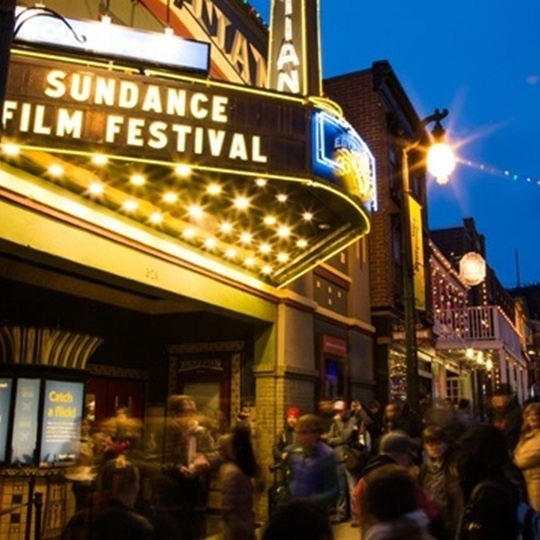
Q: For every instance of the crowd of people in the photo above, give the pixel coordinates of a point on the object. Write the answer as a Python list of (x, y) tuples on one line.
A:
[(446, 475)]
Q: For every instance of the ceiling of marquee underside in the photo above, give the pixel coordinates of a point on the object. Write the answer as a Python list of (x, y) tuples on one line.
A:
[(272, 229)]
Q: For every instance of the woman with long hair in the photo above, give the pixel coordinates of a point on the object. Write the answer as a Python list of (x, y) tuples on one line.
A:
[(237, 481)]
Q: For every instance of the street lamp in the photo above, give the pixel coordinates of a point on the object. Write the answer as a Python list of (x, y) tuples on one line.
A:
[(440, 162)]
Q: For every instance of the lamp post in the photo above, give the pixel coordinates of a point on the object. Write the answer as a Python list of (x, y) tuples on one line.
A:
[(440, 162)]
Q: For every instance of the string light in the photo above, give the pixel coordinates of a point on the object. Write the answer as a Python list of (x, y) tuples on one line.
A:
[(505, 173)]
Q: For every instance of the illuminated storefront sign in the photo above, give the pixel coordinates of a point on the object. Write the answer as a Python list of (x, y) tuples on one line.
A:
[(36, 26), (340, 155), (61, 423)]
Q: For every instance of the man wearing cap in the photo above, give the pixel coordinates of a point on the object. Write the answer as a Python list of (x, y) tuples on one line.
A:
[(286, 438), (398, 448)]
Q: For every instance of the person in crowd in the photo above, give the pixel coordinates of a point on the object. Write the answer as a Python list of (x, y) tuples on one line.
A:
[(299, 519), (398, 448), (312, 464), (117, 518), (396, 419), (285, 439), (443, 414), (343, 437), (237, 481), (181, 490), (506, 414), (375, 413), (392, 509), (464, 414), (490, 498), (527, 452), (439, 479)]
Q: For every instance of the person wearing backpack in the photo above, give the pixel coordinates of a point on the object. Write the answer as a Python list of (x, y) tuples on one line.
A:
[(491, 498)]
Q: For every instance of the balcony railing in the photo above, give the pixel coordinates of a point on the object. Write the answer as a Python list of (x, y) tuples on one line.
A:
[(477, 327)]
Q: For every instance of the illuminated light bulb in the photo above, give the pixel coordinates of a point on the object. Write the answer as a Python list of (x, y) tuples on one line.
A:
[(195, 211), (188, 234), (106, 19), (441, 161), (469, 353), (301, 243), (282, 197), (56, 170), (170, 197), (307, 216), (156, 218), (489, 364), (284, 231), (265, 248), (261, 182), (266, 270), (246, 238), (182, 170), (168, 31), (241, 203), (283, 257), (230, 253), (99, 159), (96, 188), (269, 220), (210, 243), (226, 227), (214, 189), (137, 180), (130, 206), (249, 261), (11, 149)]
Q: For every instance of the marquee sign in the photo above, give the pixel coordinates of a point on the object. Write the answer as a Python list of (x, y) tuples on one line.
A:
[(278, 184)]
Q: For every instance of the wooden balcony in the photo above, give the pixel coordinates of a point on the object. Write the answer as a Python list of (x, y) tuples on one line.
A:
[(478, 328)]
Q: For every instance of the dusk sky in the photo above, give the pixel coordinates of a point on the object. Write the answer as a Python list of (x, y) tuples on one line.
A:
[(480, 60)]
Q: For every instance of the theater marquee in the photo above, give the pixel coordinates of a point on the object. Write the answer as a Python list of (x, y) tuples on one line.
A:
[(276, 183)]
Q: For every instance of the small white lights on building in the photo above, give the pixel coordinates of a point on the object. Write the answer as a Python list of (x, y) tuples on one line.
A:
[(261, 182), (188, 234), (282, 197), (130, 205), (307, 216), (137, 180), (170, 197), (270, 220), (99, 159), (266, 270), (246, 238), (56, 170), (230, 253), (214, 189), (249, 262), (265, 248), (284, 231), (10, 149), (182, 170), (156, 218), (96, 189), (301, 243), (469, 353), (241, 203), (226, 227), (195, 211), (283, 257), (210, 243)]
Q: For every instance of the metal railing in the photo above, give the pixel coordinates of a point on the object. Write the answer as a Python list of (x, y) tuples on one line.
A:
[(477, 324)]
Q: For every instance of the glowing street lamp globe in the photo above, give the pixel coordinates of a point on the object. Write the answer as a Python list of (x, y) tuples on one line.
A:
[(441, 161)]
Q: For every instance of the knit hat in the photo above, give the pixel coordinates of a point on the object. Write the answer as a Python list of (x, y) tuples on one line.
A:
[(397, 442), (293, 411)]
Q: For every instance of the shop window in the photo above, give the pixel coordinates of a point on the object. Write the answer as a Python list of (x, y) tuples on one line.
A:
[(333, 379)]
